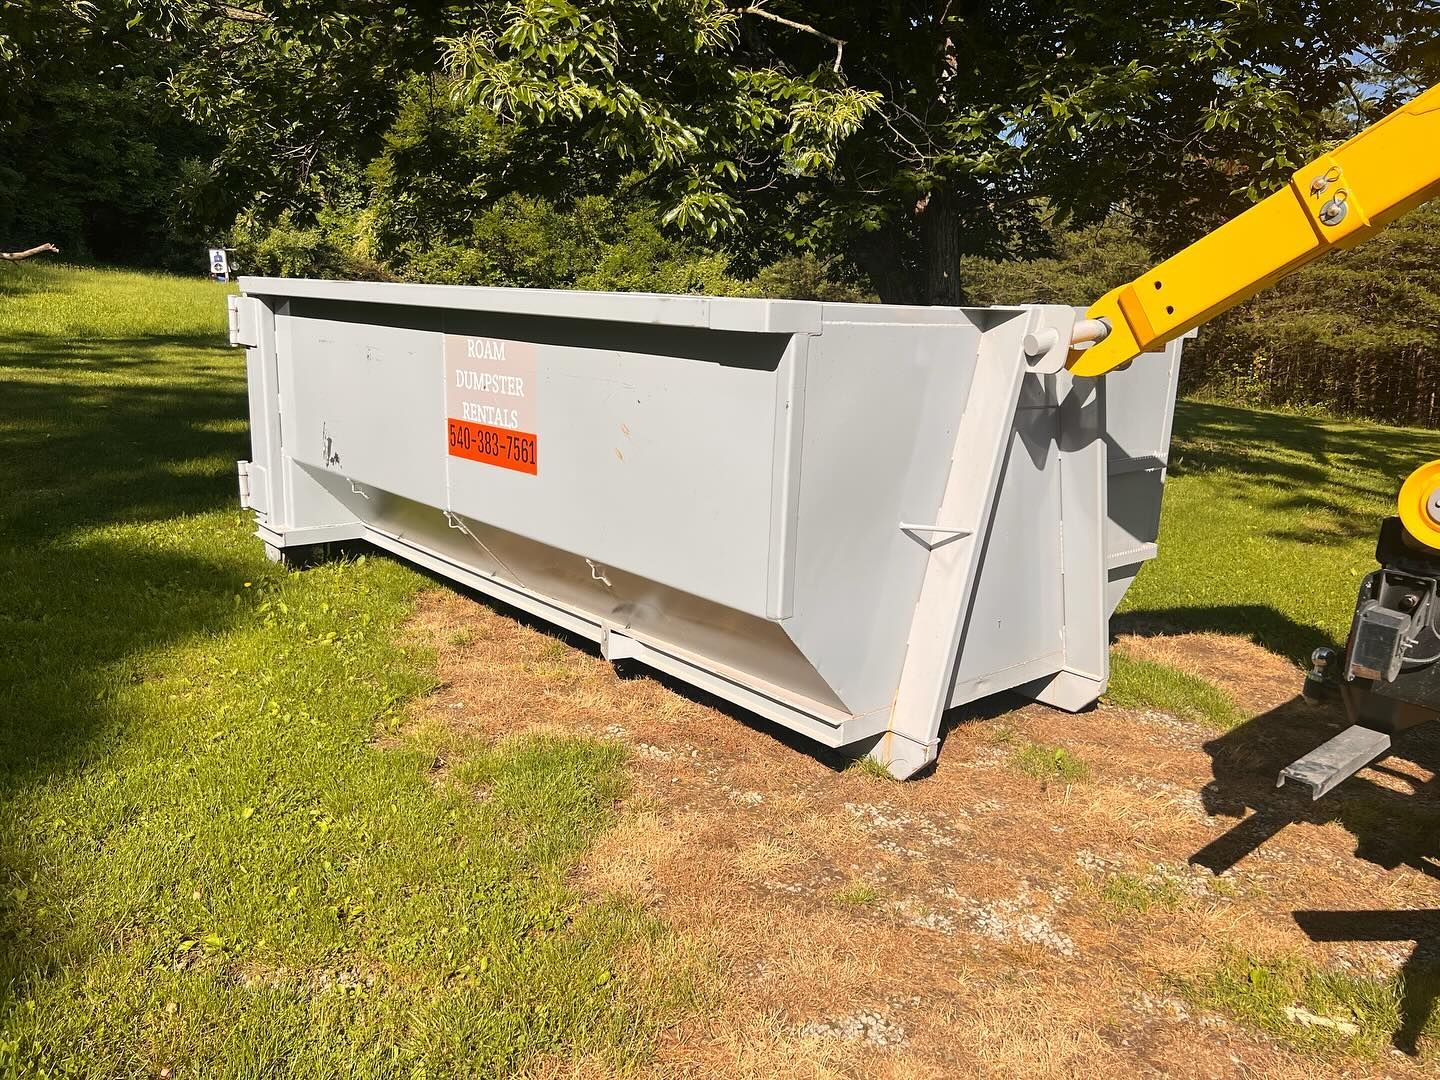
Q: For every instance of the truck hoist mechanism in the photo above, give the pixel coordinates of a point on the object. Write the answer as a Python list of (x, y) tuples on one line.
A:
[(1389, 672)]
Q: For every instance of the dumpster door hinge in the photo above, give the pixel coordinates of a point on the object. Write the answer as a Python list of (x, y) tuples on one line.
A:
[(244, 314), (243, 468)]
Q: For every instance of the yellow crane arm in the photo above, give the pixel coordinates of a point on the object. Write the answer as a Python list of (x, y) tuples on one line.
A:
[(1338, 200)]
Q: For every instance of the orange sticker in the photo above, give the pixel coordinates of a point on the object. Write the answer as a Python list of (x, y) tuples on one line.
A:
[(490, 401), (492, 445)]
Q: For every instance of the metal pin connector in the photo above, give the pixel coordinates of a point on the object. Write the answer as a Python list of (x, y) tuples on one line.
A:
[(1087, 330)]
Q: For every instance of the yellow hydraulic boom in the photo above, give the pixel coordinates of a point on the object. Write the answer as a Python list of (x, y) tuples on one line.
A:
[(1337, 201), (1389, 674)]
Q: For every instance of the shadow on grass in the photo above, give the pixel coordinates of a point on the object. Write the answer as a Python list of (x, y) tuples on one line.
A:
[(19, 279), (1393, 826), (107, 353), (1420, 975), (1265, 626), (793, 741), (103, 450), (1325, 466), (13, 286), (80, 608)]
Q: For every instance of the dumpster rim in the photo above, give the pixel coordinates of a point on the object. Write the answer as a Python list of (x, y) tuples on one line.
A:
[(741, 314)]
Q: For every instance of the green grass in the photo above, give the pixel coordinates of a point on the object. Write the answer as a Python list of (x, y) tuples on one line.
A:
[(1259, 991), (857, 894), (1268, 527), (870, 769), (1270, 521), (1050, 763), (1146, 684), (1130, 894), (206, 860)]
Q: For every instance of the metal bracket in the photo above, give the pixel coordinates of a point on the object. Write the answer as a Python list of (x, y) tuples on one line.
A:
[(244, 313), (947, 533), (1048, 338), (615, 646), (910, 526)]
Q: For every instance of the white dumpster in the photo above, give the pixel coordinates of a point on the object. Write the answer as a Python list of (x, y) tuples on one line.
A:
[(846, 518)]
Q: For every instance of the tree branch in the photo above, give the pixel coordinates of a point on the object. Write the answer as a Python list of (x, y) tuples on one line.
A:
[(16, 256), (239, 14), (758, 8)]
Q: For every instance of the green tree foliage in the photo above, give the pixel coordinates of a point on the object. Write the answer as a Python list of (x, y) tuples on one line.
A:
[(94, 154), (1079, 266), (450, 197), (1355, 334), (922, 151), (901, 134), (896, 136), (107, 171)]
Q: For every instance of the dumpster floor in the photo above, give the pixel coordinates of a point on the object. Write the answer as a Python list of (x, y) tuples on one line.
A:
[(1064, 895)]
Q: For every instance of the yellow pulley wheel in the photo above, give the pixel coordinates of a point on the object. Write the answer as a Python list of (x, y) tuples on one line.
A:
[(1420, 504)]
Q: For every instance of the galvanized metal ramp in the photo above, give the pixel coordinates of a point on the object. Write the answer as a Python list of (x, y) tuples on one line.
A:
[(1337, 760)]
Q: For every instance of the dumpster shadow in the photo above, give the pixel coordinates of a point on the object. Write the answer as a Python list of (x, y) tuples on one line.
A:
[(1393, 817), (794, 742)]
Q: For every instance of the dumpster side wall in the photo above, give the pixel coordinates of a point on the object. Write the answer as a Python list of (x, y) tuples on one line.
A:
[(1014, 633), (1139, 415), (882, 403), (623, 418), (717, 488)]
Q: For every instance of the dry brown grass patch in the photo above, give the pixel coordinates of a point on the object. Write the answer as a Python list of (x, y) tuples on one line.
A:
[(1254, 677), (741, 844), (625, 860), (1031, 1026)]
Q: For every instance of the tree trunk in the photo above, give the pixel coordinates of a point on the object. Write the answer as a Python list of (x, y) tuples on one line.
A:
[(879, 255), (940, 233), (937, 279)]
